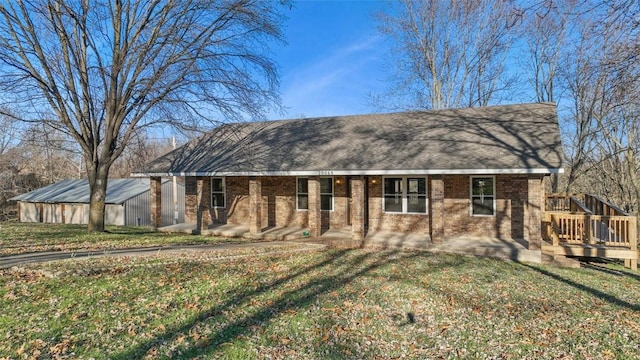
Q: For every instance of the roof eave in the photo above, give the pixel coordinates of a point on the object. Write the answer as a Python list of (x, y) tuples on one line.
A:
[(357, 172)]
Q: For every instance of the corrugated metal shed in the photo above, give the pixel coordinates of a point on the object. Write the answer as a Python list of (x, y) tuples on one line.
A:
[(127, 203), (77, 191)]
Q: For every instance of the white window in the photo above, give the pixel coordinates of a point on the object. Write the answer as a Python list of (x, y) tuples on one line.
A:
[(483, 198), (302, 194), (326, 193), (218, 193), (405, 195)]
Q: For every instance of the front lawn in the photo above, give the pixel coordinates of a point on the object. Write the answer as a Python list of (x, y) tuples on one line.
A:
[(18, 238), (329, 304)]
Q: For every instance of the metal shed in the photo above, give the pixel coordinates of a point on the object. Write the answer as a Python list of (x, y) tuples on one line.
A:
[(127, 203)]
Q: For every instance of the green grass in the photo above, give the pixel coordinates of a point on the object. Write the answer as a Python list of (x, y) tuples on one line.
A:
[(323, 304), (17, 238)]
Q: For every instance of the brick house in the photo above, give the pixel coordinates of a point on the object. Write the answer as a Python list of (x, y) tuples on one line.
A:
[(476, 171)]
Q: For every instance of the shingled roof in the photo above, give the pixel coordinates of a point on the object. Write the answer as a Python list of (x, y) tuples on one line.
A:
[(520, 138)]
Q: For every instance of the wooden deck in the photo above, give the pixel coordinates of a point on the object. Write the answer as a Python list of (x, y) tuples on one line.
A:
[(585, 225)]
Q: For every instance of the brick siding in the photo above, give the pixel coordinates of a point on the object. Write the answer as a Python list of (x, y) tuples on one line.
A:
[(379, 220), (518, 199), (511, 199)]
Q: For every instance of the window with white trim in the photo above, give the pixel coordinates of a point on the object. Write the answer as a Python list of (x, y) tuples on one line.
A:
[(302, 193), (405, 195), (483, 198), (326, 193), (218, 193)]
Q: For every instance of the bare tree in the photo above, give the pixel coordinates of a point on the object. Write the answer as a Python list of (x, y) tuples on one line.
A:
[(140, 150), (49, 153), (102, 69), (447, 53), (602, 79), (546, 28), (9, 133)]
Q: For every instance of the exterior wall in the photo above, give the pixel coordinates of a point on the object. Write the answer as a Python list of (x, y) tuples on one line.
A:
[(168, 212), (76, 213), (278, 202), (114, 214), (29, 212), (237, 201), (52, 213), (137, 209), (190, 199), (379, 220), (509, 220), (535, 212), (518, 212), (337, 219)]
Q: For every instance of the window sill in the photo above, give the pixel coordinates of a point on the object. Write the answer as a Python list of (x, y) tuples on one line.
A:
[(404, 213)]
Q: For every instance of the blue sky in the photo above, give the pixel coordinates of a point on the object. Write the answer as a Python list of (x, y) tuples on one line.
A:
[(333, 58)]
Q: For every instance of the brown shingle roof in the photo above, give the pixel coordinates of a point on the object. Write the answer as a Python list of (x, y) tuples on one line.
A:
[(510, 138)]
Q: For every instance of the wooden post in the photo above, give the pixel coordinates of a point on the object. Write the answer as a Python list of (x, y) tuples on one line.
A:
[(554, 232), (587, 229), (633, 241)]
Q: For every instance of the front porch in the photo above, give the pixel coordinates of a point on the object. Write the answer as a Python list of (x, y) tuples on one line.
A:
[(239, 231), (587, 226), (516, 250)]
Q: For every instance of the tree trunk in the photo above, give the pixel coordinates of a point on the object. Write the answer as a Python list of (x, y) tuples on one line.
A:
[(98, 187)]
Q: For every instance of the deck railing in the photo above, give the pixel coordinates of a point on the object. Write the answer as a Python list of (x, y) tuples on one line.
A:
[(584, 228), (588, 220), (564, 202), (602, 207)]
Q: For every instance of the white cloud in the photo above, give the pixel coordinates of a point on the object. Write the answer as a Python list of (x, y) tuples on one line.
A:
[(336, 83)]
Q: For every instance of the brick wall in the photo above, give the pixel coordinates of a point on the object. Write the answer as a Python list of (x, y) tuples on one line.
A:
[(511, 199), (237, 211), (534, 212), (156, 202), (379, 220), (190, 192), (278, 202), (337, 219), (516, 213)]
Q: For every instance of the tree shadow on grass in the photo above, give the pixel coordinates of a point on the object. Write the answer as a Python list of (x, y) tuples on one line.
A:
[(601, 266), (588, 289), (337, 271)]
